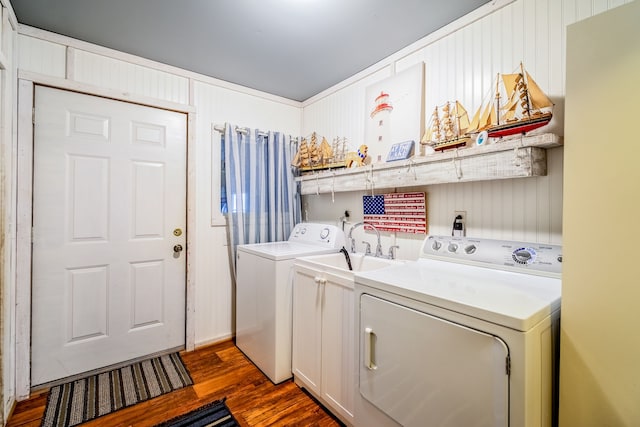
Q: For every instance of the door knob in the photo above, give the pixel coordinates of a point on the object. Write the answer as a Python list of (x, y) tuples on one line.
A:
[(177, 248)]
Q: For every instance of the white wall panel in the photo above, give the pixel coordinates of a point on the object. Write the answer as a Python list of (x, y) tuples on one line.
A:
[(215, 313), (119, 75), (342, 114), (40, 56), (463, 66)]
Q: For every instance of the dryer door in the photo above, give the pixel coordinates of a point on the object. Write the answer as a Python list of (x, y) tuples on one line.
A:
[(425, 371)]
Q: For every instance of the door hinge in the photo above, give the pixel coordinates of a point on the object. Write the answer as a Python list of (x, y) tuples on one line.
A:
[(507, 365), (33, 115)]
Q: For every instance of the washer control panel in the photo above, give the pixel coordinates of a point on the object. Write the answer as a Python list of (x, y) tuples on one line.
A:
[(511, 255), (325, 235)]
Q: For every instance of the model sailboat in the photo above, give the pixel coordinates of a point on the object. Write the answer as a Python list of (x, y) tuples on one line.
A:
[(526, 107), (447, 127), (314, 156), (308, 154)]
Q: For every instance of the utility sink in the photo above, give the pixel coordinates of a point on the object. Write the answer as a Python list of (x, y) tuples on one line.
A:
[(336, 264)]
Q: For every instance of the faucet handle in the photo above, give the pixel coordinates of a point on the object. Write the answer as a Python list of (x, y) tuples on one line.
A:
[(367, 250), (392, 252)]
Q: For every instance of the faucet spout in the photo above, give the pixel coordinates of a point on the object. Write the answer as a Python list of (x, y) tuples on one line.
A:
[(353, 241), (347, 257)]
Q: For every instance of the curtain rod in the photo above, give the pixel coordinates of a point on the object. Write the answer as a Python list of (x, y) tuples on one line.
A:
[(244, 131)]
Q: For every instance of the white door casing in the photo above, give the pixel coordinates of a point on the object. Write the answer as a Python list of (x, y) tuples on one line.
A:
[(109, 189)]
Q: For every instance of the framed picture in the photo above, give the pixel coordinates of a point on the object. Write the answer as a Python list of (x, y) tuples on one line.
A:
[(394, 111)]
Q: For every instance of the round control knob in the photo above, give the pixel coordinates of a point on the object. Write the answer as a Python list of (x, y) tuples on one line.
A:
[(524, 255), (471, 249), (452, 247), (303, 230), (436, 245), (324, 233)]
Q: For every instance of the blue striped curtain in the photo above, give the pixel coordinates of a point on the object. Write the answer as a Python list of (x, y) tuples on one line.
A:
[(263, 201)]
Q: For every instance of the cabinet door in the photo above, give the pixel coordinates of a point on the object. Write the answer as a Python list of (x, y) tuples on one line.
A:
[(425, 371), (338, 348), (307, 330)]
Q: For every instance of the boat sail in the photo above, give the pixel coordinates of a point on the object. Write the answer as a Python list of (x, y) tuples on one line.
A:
[(308, 154), (526, 107), (313, 156), (447, 127)]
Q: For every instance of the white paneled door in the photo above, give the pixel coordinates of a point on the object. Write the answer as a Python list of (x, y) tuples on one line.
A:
[(109, 217)]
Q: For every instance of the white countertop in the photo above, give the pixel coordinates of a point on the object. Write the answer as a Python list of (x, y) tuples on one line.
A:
[(515, 300)]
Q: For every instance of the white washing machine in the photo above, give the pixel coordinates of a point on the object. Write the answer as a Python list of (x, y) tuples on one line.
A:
[(264, 294), (467, 335)]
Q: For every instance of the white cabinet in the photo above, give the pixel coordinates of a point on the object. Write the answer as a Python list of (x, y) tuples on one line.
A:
[(323, 359)]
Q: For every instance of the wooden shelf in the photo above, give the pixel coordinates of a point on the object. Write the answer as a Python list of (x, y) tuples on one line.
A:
[(512, 157)]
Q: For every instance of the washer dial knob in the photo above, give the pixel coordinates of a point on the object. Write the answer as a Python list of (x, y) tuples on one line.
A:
[(524, 255), (324, 233), (452, 247), (436, 245)]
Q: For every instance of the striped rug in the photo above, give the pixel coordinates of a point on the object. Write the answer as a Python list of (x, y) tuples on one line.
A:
[(214, 414), (81, 400)]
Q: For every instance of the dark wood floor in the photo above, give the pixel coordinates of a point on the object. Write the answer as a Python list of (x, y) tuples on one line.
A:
[(218, 371)]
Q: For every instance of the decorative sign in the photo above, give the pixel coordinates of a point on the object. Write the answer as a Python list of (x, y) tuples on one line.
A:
[(401, 151), (403, 212)]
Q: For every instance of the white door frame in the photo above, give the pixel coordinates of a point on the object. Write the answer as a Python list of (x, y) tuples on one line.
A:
[(26, 91)]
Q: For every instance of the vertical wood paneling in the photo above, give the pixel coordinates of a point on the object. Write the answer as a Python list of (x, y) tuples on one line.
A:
[(214, 309), (41, 56), (114, 74), (342, 113), (463, 65)]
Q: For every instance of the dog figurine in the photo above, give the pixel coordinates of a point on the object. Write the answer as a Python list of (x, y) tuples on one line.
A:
[(358, 158)]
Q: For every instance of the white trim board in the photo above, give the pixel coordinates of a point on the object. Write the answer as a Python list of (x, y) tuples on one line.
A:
[(26, 90)]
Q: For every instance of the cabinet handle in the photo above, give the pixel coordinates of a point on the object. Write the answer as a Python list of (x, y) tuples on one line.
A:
[(369, 348)]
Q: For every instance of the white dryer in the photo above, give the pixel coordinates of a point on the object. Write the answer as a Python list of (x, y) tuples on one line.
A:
[(467, 335), (264, 294)]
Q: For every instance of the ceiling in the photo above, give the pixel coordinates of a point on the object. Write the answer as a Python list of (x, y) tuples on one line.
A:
[(291, 48)]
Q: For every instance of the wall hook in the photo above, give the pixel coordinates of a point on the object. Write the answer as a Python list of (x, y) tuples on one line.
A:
[(456, 165), (411, 168), (333, 187), (317, 183)]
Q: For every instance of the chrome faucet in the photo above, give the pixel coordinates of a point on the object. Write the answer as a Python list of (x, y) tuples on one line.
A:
[(353, 241)]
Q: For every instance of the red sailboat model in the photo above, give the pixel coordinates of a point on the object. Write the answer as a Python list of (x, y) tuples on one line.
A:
[(526, 107)]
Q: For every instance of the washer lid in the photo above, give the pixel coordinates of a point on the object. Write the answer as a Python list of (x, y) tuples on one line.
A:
[(284, 250), (515, 300)]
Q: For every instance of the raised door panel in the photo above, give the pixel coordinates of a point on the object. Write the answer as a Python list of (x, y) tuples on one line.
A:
[(307, 330), (338, 349)]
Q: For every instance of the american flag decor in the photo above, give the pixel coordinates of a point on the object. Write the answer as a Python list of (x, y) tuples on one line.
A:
[(404, 212)]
